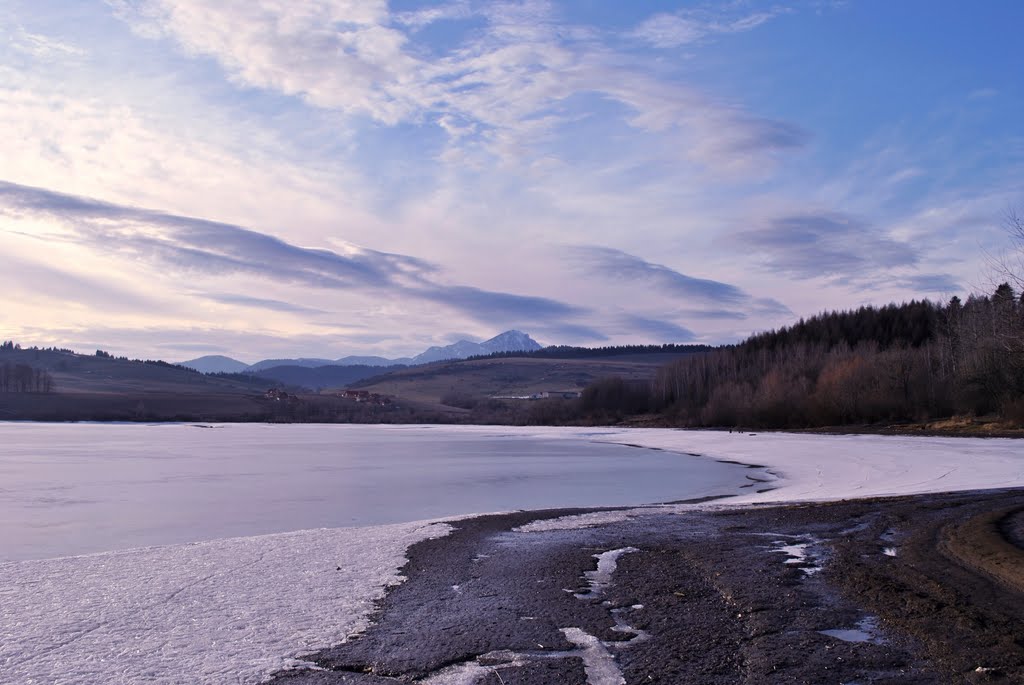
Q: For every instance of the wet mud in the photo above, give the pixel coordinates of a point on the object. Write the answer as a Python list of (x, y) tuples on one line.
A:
[(918, 589)]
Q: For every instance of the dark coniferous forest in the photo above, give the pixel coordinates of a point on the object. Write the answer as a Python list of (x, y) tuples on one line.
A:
[(910, 362)]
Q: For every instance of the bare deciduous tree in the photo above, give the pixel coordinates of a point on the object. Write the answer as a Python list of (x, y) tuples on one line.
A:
[(1009, 266)]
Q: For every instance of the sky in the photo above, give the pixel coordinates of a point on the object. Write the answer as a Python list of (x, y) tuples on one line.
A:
[(272, 178)]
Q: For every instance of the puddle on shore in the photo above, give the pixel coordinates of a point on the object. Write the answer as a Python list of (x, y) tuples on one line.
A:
[(472, 672), (598, 662), (856, 528), (799, 553), (889, 536), (621, 626), (866, 631), (601, 577)]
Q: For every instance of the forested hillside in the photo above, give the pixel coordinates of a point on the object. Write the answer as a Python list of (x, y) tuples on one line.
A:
[(909, 362)]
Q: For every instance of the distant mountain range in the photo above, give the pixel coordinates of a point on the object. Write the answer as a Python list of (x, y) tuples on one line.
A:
[(509, 341)]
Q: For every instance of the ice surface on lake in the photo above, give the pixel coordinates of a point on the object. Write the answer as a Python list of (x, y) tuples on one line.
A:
[(810, 468), (75, 489), (832, 467), (233, 611), (229, 611)]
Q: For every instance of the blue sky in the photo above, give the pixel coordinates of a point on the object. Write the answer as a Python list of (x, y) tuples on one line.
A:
[(313, 178)]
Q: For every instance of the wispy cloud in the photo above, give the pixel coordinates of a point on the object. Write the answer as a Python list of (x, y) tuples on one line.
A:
[(982, 94), (191, 244), (66, 288), (675, 29), (559, 333), (660, 329), (194, 347), (826, 245), (621, 266), (261, 303), (770, 307), (724, 314), (931, 283), (43, 47), (502, 90), (198, 244), (417, 19), (496, 307), (674, 295)]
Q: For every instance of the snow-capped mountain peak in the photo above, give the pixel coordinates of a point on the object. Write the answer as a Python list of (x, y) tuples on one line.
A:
[(509, 341)]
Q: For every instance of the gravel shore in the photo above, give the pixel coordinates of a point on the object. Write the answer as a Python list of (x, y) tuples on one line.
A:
[(918, 589)]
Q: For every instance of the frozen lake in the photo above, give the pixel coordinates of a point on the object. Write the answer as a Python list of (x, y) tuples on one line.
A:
[(79, 488), (236, 610)]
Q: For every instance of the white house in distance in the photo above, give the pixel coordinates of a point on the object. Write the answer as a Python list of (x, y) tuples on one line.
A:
[(546, 394)]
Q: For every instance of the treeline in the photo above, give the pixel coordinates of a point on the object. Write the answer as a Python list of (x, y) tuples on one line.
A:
[(909, 362), (571, 352), (103, 354), (25, 378), (11, 346)]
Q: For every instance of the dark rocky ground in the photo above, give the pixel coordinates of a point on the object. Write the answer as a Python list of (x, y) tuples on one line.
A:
[(930, 589)]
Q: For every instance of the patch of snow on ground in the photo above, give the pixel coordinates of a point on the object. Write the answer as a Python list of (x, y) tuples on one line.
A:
[(227, 611), (597, 518)]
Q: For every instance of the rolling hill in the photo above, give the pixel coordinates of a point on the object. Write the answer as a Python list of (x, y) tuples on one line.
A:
[(100, 387), (441, 384), (215, 363)]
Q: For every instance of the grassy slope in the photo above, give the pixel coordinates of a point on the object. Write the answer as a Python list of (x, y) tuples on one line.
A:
[(79, 373), (481, 378), (90, 387)]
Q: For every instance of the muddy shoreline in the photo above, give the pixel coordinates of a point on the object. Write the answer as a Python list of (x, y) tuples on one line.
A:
[(918, 589)]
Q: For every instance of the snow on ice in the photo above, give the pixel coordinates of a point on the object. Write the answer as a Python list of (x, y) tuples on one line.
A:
[(226, 611), (819, 468)]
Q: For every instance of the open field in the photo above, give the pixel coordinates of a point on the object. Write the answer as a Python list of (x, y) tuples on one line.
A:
[(483, 378)]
